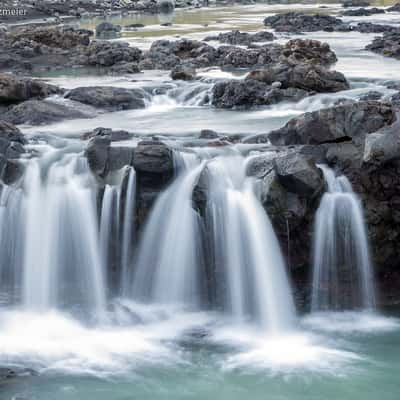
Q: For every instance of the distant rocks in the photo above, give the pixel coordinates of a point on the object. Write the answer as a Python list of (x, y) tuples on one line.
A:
[(241, 38), (355, 3), (183, 73), (109, 98)]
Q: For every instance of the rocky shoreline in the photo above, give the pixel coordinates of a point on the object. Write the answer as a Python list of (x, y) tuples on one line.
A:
[(358, 138)]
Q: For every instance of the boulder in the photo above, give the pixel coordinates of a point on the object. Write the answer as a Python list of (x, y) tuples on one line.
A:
[(242, 94), (394, 8), (372, 95), (114, 135), (153, 157), (11, 133), (183, 73), (108, 97), (301, 76), (298, 22), (15, 90), (349, 122), (369, 27), (38, 112), (107, 30)]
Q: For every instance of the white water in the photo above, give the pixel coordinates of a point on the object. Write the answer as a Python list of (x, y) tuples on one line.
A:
[(169, 260), (342, 270), (247, 256)]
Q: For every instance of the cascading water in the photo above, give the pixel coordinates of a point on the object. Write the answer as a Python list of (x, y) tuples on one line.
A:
[(342, 271), (55, 232), (250, 268), (170, 254)]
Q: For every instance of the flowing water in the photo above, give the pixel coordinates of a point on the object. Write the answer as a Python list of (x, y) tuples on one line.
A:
[(90, 309), (342, 266)]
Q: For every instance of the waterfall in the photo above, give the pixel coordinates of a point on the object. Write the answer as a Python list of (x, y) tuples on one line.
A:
[(342, 270), (128, 228), (250, 267), (61, 258), (169, 260)]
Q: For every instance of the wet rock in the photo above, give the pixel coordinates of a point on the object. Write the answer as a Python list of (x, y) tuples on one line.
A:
[(350, 122), (183, 73), (241, 38), (301, 76), (37, 112), (110, 98), (11, 133), (208, 134), (125, 68), (134, 26), (153, 157), (298, 22), (388, 45), (249, 93), (15, 90), (107, 30), (166, 6), (97, 153), (355, 3), (363, 12), (394, 8), (369, 27), (395, 100)]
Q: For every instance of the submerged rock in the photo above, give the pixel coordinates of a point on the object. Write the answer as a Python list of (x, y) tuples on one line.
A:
[(108, 97), (363, 12), (183, 73), (107, 30)]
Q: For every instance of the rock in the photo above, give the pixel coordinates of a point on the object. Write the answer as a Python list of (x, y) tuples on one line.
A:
[(383, 146), (106, 54), (372, 95), (350, 122), (388, 45), (36, 112), (107, 30), (108, 97), (153, 157), (394, 8), (308, 51), (114, 135), (166, 6), (183, 73), (241, 38), (97, 153), (15, 90), (208, 134), (301, 76), (395, 100), (298, 22), (298, 174), (369, 27), (355, 3), (249, 93), (11, 133), (134, 26), (363, 12), (125, 68)]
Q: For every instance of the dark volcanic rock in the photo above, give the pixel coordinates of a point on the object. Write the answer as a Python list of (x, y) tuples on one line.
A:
[(37, 112), (298, 22), (241, 38), (388, 45), (248, 93), (335, 124), (114, 135), (183, 73), (369, 27), (363, 12), (110, 98), (301, 76), (16, 90)]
